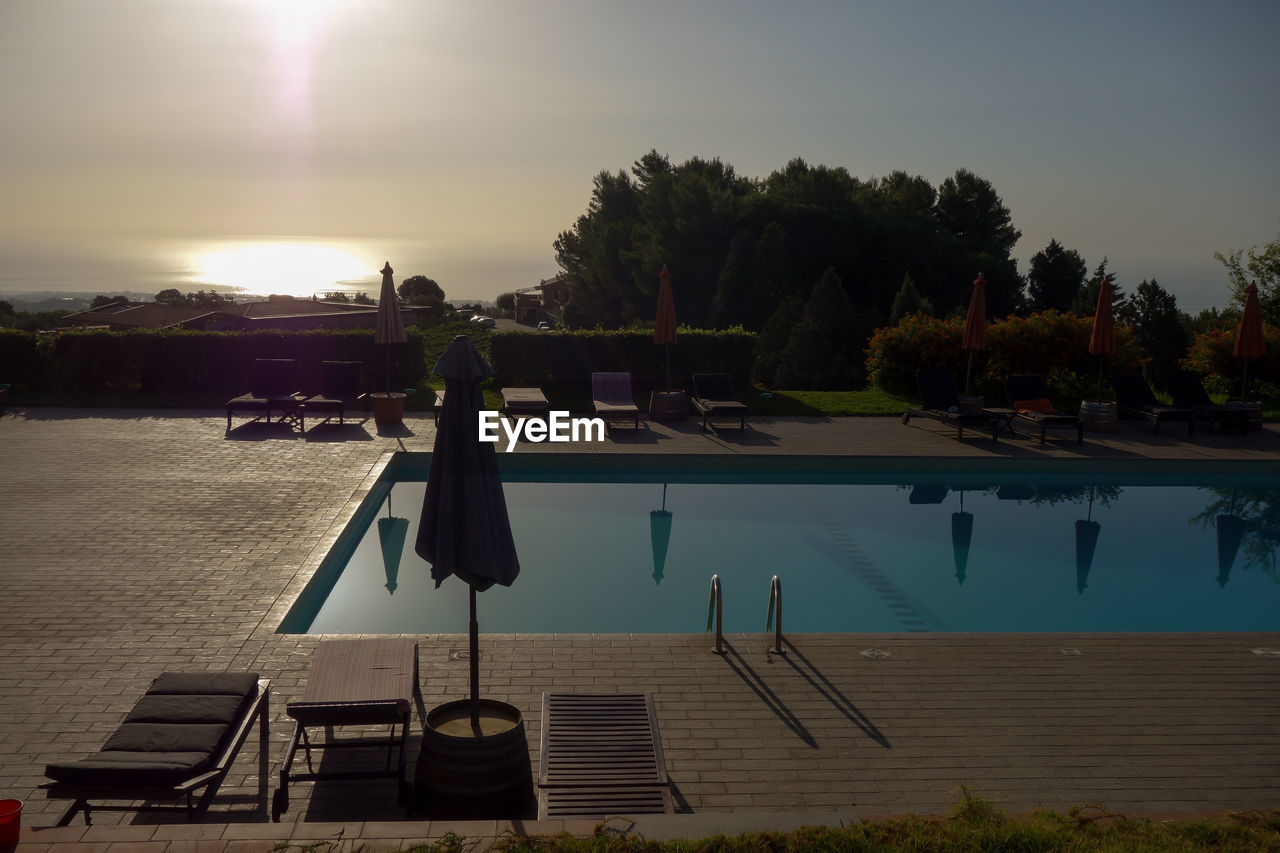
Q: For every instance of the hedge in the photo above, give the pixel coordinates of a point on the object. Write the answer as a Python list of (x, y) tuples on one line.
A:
[(1210, 356), (1052, 344)]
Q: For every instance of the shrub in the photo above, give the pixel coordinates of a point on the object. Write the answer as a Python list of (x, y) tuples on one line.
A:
[(1210, 356)]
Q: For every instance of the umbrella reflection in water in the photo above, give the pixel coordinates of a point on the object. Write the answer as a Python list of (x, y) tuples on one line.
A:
[(391, 535), (1230, 529), (1087, 531), (660, 534), (961, 536)]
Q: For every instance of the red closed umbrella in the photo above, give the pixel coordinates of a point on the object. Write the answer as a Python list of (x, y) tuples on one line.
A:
[(1102, 342), (664, 325), (975, 325), (1250, 342)]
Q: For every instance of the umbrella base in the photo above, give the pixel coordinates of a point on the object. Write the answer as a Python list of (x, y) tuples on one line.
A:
[(668, 406), (1099, 416), (467, 773), (388, 408)]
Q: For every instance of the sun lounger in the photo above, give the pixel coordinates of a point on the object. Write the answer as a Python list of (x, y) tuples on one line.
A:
[(612, 399), (354, 683), (524, 403), (1188, 392), (940, 400), (1134, 399), (182, 736), (1029, 398), (713, 398), (272, 389), (339, 391), (601, 755)]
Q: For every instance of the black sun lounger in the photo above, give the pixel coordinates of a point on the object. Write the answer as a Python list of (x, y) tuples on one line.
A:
[(339, 391), (272, 389), (354, 683), (713, 398), (940, 400), (1029, 398), (601, 755), (182, 736), (1135, 400), (1188, 392), (611, 398)]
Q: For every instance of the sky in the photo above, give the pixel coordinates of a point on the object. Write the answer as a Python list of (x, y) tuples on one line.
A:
[(167, 142)]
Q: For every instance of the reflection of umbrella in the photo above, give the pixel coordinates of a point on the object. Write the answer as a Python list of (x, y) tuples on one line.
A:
[(1087, 531), (465, 530), (961, 536), (391, 534), (1230, 534), (1102, 342), (660, 533), (1250, 342), (975, 325), (389, 326), (664, 326)]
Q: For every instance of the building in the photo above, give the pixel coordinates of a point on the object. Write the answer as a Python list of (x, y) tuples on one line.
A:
[(276, 312)]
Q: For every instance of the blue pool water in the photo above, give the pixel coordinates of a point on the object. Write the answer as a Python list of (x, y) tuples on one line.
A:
[(855, 552)]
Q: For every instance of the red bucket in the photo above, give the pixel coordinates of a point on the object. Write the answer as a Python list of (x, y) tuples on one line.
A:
[(10, 821)]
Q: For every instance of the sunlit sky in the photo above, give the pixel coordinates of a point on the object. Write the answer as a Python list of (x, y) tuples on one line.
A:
[(457, 139)]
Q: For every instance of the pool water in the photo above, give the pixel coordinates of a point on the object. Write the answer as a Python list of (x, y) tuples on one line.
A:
[(927, 552)]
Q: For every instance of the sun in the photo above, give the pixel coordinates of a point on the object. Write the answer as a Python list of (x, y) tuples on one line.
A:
[(292, 269)]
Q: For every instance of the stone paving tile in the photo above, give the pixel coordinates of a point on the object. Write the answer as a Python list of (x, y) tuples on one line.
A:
[(139, 541)]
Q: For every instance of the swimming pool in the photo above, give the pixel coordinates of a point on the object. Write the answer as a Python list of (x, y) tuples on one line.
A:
[(629, 546)]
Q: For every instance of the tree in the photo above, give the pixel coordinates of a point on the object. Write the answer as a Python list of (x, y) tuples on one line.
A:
[(337, 296), (172, 296), (101, 301), (970, 208), (505, 303), (1055, 278), (420, 290), (908, 301), (815, 357), (1159, 327), (1086, 301), (363, 298), (1262, 267)]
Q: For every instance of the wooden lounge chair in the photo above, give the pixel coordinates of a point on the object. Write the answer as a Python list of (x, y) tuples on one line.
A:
[(713, 398), (940, 400), (339, 391), (1135, 399), (1188, 392), (612, 399), (601, 755), (1029, 398), (525, 403), (272, 389), (182, 736), (354, 683)]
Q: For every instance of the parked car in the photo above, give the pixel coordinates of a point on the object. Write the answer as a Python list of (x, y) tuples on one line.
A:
[(544, 326)]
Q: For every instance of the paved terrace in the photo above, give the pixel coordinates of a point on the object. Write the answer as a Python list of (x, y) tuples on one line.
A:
[(133, 542)]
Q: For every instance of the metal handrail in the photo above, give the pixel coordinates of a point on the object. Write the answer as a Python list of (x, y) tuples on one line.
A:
[(714, 609), (775, 608)]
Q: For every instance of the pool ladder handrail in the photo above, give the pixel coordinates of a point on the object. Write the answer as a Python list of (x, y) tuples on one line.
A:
[(775, 610), (714, 610)]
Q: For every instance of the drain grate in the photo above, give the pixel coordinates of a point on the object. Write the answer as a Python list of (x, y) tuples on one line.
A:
[(464, 654), (1069, 651), (875, 654)]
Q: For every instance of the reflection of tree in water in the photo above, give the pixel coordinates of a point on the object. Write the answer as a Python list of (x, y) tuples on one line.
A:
[(1259, 509), (1101, 496)]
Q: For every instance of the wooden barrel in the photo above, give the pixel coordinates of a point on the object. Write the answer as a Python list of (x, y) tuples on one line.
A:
[(466, 775), (1099, 416)]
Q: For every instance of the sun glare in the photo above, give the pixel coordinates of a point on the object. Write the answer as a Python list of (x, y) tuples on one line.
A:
[(293, 269)]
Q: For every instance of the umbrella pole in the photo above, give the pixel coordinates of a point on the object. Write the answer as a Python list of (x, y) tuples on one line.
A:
[(1101, 361), (1244, 381), (967, 373), (668, 349), (474, 629)]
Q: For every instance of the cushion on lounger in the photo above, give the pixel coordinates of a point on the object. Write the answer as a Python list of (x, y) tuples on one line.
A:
[(176, 730), (1040, 404)]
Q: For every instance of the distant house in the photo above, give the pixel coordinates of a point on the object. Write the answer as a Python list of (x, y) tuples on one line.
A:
[(544, 301), (276, 312)]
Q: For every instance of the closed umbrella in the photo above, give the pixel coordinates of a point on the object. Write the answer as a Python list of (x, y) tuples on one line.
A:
[(660, 535), (465, 529), (389, 325), (664, 326), (1250, 342), (975, 325), (1102, 342)]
